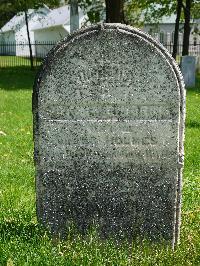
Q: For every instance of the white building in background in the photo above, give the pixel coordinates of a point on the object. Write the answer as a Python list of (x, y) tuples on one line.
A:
[(164, 30), (15, 31), (49, 26), (46, 26), (54, 27)]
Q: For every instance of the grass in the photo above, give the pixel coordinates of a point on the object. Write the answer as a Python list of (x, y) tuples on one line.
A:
[(17, 61), (24, 242)]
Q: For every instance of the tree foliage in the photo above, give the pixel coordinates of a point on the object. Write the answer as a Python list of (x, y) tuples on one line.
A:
[(6, 12), (95, 9), (9, 8)]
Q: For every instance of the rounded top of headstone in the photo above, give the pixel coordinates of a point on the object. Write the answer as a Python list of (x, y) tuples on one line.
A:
[(108, 61), (108, 29)]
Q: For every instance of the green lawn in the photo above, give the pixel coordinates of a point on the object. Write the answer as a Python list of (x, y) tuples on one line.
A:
[(17, 61), (24, 242)]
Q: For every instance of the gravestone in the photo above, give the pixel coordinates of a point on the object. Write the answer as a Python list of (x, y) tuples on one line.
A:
[(198, 64), (188, 68), (108, 108)]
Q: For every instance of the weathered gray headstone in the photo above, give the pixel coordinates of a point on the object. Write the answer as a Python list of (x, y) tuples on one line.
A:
[(198, 64), (188, 68), (108, 109)]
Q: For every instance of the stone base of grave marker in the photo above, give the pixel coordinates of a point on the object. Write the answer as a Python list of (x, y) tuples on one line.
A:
[(109, 108)]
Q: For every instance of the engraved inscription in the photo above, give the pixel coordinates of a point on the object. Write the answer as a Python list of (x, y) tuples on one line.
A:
[(92, 110), (106, 71), (117, 142)]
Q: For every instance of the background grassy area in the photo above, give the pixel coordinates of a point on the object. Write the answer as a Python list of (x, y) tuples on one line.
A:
[(24, 242), (17, 61)]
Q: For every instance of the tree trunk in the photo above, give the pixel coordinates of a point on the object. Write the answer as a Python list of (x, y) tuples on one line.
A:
[(74, 16), (176, 31), (114, 11), (29, 40), (186, 35)]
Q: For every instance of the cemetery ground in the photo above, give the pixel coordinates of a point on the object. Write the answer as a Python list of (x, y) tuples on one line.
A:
[(24, 242), (14, 61)]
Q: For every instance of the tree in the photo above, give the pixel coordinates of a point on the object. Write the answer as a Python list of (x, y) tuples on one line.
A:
[(176, 31), (6, 12), (24, 5), (131, 11), (95, 9), (195, 9), (187, 28), (124, 11), (132, 14), (154, 10), (29, 39), (114, 11)]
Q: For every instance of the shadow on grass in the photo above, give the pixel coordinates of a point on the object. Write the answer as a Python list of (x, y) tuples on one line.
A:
[(193, 124), (17, 78), (29, 231)]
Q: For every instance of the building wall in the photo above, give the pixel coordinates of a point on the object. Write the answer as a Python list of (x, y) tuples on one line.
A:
[(47, 37), (157, 28), (7, 38), (168, 31), (21, 36)]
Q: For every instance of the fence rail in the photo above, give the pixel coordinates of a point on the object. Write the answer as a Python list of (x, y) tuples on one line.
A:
[(18, 54), (194, 50)]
